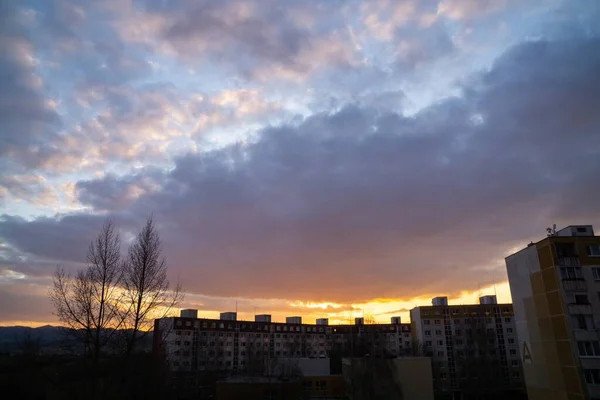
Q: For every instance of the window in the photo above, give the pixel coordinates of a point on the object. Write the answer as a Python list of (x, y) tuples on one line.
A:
[(426, 322), (581, 299), (514, 363), (513, 352), (594, 250), (458, 342), (589, 349), (570, 272), (177, 343), (596, 273), (457, 331), (437, 321), (440, 342), (428, 343), (507, 320), (592, 376), (582, 321), (511, 341), (442, 375), (581, 229), (427, 333), (438, 332), (516, 374), (440, 353), (509, 330)]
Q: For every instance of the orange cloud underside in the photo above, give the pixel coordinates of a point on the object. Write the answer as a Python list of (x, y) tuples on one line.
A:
[(380, 309)]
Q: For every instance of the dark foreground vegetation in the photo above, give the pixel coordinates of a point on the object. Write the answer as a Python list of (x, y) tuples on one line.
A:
[(140, 376)]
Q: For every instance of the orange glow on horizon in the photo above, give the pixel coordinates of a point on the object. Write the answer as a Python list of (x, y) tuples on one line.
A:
[(381, 309)]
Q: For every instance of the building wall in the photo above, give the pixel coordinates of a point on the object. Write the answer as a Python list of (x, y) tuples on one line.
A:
[(258, 390), (414, 375), (524, 275), (324, 387), (410, 375), (460, 339)]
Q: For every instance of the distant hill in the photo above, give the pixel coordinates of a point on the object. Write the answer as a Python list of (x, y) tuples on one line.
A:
[(12, 336), (50, 338)]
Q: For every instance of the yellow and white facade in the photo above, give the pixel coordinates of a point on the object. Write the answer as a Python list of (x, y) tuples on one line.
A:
[(555, 287)]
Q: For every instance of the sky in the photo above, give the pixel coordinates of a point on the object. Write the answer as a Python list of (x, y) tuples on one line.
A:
[(300, 157)]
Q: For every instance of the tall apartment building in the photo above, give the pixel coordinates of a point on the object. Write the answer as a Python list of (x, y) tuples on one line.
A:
[(555, 287), (473, 348), (226, 344)]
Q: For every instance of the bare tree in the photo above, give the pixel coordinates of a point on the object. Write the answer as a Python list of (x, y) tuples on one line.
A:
[(148, 293), (369, 319), (87, 303)]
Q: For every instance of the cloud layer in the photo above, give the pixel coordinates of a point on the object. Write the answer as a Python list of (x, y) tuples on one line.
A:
[(319, 175)]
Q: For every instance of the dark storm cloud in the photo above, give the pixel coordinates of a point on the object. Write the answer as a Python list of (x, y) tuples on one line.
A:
[(54, 239), (111, 193), (361, 203)]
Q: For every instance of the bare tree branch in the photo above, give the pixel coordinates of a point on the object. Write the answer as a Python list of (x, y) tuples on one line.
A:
[(146, 285), (88, 303)]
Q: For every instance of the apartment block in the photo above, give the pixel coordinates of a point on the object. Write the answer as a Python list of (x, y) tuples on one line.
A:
[(555, 287), (473, 348), (226, 344)]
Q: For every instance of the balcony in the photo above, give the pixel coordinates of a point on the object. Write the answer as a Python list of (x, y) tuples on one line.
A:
[(568, 261), (579, 309), (574, 285)]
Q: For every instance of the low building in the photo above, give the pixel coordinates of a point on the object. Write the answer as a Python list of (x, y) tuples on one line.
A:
[(407, 378), (196, 344), (315, 374), (259, 388)]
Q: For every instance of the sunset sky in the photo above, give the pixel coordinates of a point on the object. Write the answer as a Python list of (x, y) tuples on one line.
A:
[(300, 157)]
